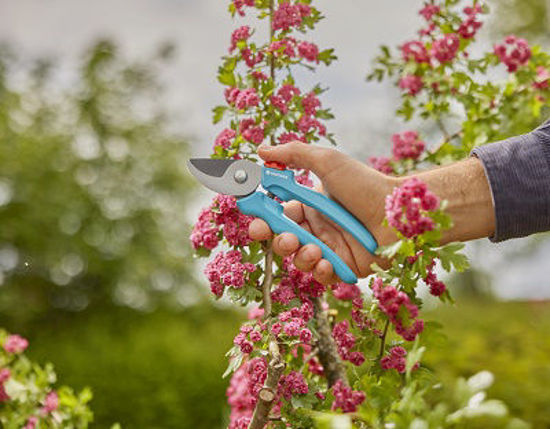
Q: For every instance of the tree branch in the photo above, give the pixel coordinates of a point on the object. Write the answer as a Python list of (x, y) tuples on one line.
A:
[(276, 366), (328, 352), (383, 340)]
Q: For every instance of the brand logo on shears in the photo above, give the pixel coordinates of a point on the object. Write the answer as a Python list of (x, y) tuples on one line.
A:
[(273, 173)]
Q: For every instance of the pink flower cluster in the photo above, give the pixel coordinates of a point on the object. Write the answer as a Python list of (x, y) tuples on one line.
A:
[(413, 84), (293, 322), (345, 398), (514, 52), (31, 422), (289, 15), (225, 138), (246, 337), (445, 49), (296, 283), (401, 312), (284, 96), (240, 34), (381, 163), (429, 10), (292, 384), (542, 78), (51, 402), (251, 132), (416, 51), (221, 214), (5, 374), (362, 319), (240, 4), (227, 270), (469, 27), (15, 344), (407, 145), (242, 99), (395, 360), (407, 206), (437, 287), (308, 51), (345, 341), (243, 391), (345, 291)]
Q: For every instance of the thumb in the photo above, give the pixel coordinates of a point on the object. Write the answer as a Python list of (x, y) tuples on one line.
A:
[(301, 155)]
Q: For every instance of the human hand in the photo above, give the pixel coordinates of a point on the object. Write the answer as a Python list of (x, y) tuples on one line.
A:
[(357, 187)]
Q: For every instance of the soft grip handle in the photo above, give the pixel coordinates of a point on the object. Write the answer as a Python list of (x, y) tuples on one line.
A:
[(260, 205), (282, 184)]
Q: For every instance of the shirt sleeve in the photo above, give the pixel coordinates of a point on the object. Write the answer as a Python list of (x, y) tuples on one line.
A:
[(518, 171)]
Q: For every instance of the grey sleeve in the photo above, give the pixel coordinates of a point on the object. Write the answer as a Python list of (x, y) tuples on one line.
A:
[(518, 171)]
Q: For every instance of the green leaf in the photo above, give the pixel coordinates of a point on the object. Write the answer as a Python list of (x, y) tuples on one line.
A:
[(449, 256), (218, 113)]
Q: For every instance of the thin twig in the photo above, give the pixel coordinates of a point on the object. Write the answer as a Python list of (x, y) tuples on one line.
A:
[(383, 340)]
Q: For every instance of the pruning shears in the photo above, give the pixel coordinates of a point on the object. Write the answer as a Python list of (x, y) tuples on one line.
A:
[(242, 178)]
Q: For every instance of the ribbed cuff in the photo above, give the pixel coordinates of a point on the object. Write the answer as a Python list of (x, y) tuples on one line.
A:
[(518, 171)]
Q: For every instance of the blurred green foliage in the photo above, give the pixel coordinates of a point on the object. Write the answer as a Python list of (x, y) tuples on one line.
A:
[(146, 370), (93, 187), (525, 18), (511, 340)]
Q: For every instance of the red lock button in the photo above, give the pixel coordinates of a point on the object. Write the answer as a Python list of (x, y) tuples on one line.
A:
[(276, 165)]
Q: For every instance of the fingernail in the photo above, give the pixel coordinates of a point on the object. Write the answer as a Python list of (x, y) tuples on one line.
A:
[(266, 147), (308, 255)]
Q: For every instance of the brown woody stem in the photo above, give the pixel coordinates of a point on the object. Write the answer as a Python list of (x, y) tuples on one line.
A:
[(328, 352), (276, 366)]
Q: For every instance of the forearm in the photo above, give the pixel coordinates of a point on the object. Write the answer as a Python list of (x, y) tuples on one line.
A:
[(469, 201)]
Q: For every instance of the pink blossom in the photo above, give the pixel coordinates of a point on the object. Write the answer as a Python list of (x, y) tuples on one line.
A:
[(225, 138), (31, 423), (311, 103), (231, 95), (250, 58), (247, 98), (437, 287), (233, 223), (473, 10), (308, 51), (446, 48), (406, 208), (469, 27), (429, 10), (304, 9), (411, 83), (514, 52), (278, 102), (227, 270), (51, 403), (345, 341), (292, 384), (5, 374), (240, 34), (415, 51), (401, 312), (407, 145), (287, 92), (239, 4), (15, 344), (284, 46), (251, 132), (205, 232), (395, 360), (542, 79), (345, 291), (345, 398), (258, 75), (243, 391), (255, 313), (290, 137), (286, 16), (381, 163), (306, 123)]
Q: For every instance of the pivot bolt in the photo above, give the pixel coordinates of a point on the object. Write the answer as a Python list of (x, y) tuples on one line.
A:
[(240, 176)]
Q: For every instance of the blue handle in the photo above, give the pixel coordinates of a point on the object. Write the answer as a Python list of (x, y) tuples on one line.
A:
[(260, 205), (282, 184)]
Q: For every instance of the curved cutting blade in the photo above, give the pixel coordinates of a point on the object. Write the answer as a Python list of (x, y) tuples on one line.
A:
[(227, 176)]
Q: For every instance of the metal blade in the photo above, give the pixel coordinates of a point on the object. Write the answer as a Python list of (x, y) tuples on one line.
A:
[(226, 176)]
